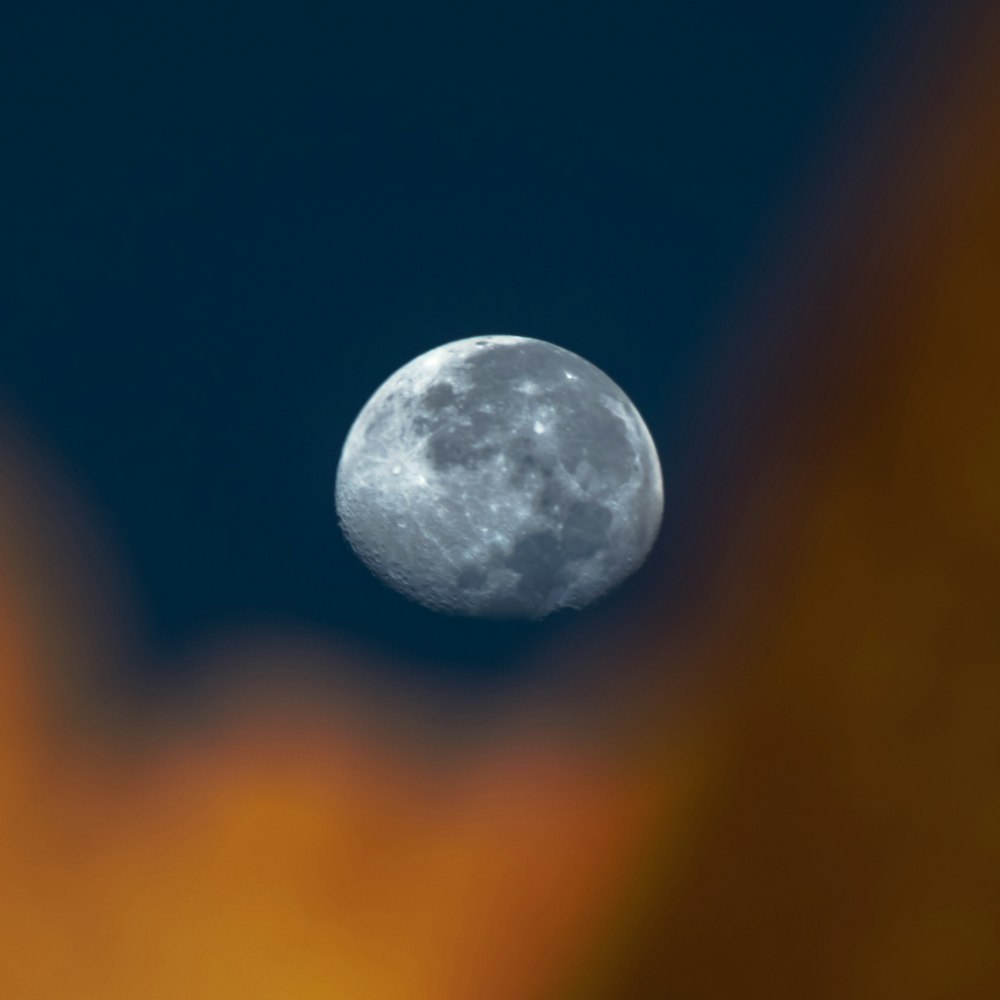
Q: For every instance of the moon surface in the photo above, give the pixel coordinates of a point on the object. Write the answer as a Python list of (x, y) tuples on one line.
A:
[(500, 476)]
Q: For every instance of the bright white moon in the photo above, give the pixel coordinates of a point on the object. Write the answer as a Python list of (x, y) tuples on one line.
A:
[(500, 476)]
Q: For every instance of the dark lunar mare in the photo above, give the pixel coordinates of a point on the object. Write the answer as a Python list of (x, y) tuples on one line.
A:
[(492, 387)]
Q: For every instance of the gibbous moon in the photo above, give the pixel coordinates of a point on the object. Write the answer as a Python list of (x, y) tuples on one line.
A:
[(502, 477)]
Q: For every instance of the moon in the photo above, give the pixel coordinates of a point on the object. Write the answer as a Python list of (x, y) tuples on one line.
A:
[(501, 477)]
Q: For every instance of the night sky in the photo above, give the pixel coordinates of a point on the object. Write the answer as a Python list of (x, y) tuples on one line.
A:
[(229, 227)]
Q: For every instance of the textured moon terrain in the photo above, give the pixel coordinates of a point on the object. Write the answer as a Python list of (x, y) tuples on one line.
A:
[(500, 476)]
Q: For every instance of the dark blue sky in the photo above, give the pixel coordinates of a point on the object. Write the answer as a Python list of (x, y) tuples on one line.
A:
[(227, 227)]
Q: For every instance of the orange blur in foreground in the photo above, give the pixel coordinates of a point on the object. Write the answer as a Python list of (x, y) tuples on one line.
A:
[(819, 819), (283, 842)]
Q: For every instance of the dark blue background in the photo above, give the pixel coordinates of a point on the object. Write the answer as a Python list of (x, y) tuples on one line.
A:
[(227, 227)]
